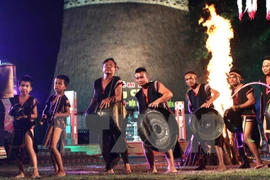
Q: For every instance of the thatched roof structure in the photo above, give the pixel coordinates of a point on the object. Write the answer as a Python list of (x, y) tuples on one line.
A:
[(134, 35)]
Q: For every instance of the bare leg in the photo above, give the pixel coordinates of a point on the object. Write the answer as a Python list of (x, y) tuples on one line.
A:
[(61, 144), (20, 166), (149, 155), (127, 168), (201, 158), (55, 153), (221, 165), (170, 161), (55, 166), (252, 146), (21, 169), (31, 152), (124, 156)]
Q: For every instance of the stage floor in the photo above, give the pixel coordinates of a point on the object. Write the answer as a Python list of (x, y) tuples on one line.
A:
[(87, 160), (96, 171)]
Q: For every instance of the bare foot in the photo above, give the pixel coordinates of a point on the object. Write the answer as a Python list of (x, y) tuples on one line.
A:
[(221, 168), (56, 170), (35, 173), (259, 166), (171, 170), (60, 174), (34, 176), (110, 171), (153, 170), (127, 168), (21, 175)]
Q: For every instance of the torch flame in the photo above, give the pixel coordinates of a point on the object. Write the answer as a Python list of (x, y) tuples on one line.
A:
[(219, 32)]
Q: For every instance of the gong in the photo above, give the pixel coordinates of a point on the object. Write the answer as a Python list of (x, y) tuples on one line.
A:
[(233, 120), (156, 131), (207, 123)]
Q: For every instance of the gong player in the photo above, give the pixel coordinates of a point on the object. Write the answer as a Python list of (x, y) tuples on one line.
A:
[(244, 102), (264, 103), (152, 95), (199, 95), (107, 92)]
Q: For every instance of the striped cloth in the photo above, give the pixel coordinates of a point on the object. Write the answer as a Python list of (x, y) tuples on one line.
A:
[(8, 119), (3, 154)]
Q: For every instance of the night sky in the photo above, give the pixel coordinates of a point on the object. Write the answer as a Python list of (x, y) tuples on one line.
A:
[(30, 33)]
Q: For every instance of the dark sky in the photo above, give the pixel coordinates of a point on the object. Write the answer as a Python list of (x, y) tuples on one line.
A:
[(30, 33)]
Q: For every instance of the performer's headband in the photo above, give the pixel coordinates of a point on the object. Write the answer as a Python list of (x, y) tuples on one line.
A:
[(190, 76), (234, 73)]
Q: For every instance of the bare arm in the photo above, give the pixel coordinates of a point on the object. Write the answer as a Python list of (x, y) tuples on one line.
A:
[(215, 95), (65, 114), (92, 102), (251, 101), (118, 92), (261, 108), (116, 98), (166, 95), (33, 115), (190, 107)]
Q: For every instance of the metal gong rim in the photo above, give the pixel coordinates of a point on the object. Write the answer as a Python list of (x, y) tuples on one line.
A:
[(233, 120), (207, 123), (267, 114), (156, 132), (16, 110)]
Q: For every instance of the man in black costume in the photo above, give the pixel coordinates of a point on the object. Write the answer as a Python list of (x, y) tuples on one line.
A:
[(153, 95), (108, 91), (264, 103), (244, 103), (198, 96)]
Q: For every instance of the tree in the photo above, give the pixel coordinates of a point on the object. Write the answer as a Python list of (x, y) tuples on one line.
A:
[(251, 40)]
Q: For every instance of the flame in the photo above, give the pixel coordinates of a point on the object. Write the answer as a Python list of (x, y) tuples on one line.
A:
[(219, 32)]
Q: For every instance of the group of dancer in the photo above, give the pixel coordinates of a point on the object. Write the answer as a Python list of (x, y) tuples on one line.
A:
[(107, 91), (201, 95), (153, 94), (24, 111)]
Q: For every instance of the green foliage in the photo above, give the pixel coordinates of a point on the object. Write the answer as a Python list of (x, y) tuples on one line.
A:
[(251, 40), (265, 35)]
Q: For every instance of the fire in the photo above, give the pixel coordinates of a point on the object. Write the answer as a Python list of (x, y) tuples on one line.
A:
[(219, 32)]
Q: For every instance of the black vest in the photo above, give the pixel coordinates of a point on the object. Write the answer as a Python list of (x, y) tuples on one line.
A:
[(264, 97), (28, 109), (152, 94), (242, 98), (200, 98)]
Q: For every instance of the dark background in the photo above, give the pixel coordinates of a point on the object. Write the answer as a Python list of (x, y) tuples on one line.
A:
[(30, 33), (135, 35), (166, 41)]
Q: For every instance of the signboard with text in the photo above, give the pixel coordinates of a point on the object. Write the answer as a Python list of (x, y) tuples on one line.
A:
[(129, 91)]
